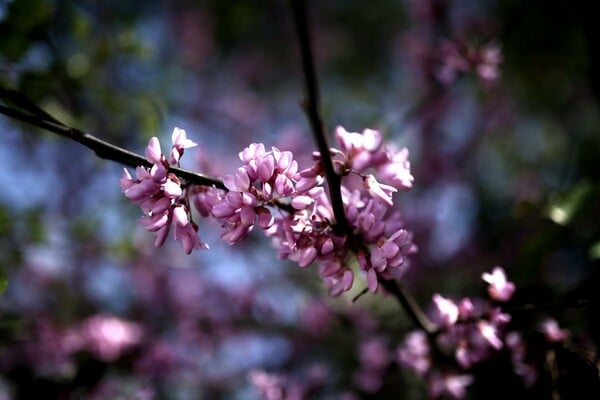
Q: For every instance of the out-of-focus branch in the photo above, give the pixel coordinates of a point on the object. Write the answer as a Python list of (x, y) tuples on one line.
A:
[(410, 305), (311, 108), (29, 113)]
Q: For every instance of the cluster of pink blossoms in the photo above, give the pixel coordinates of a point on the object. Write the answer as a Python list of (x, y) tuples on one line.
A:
[(160, 195), (470, 334), (291, 205)]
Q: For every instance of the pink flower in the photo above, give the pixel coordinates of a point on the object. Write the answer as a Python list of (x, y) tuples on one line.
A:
[(447, 310), (395, 170), (413, 353), (161, 195), (499, 288), (378, 190), (108, 336), (451, 384), (552, 331), (153, 151), (180, 142)]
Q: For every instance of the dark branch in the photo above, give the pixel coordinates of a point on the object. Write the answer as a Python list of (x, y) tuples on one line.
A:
[(410, 305), (37, 117), (311, 108)]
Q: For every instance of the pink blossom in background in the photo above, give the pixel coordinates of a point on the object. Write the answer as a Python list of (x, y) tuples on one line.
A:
[(552, 331), (499, 288), (108, 336)]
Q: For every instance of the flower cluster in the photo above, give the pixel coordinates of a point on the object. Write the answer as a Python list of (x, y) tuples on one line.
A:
[(469, 334), (264, 179), (303, 228), (160, 194), (291, 205)]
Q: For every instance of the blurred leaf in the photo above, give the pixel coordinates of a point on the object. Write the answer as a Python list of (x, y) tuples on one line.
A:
[(594, 251), (563, 207), (3, 281), (26, 21)]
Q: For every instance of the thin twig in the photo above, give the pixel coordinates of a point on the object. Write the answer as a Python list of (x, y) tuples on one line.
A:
[(409, 304), (102, 148), (311, 108), (558, 305)]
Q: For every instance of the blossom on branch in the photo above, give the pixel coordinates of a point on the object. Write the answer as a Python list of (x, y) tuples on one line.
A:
[(468, 334), (291, 205), (161, 196)]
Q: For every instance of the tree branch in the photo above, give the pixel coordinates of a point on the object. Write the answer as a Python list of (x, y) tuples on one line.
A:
[(37, 117), (410, 305), (311, 108)]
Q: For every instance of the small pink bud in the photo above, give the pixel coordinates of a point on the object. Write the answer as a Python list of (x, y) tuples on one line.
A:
[(234, 199), (306, 183), (126, 180), (172, 189), (222, 210), (284, 160), (347, 279), (267, 191), (153, 151), (330, 268), (161, 235), (266, 168), (247, 215), (155, 222), (307, 256), (253, 151), (327, 246), (284, 185), (158, 173), (174, 156), (248, 199), (265, 219), (141, 173), (377, 258), (390, 249), (161, 205), (372, 283), (301, 202), (180, 216), (236, 234), (238, 182)]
